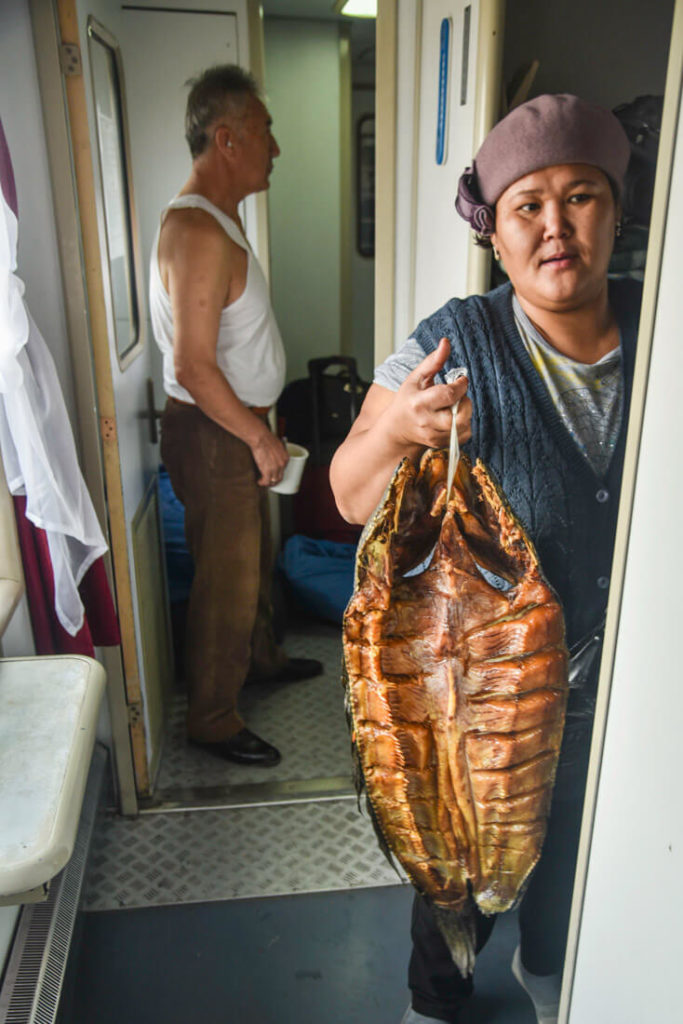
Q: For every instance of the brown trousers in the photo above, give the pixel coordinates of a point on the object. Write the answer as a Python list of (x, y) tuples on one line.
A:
[(229, 620)]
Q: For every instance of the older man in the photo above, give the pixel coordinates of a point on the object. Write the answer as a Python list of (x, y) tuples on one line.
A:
[(224, 367)]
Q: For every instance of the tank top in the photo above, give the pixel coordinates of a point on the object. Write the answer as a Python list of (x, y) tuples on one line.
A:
[(249, 350)]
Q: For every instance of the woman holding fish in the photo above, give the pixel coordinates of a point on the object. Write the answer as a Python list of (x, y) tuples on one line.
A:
[(549, 360)]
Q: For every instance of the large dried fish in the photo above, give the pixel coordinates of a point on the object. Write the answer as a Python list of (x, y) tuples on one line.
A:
[(456, 690)]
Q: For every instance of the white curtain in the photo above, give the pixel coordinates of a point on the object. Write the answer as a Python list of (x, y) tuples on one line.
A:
[(36, 440)]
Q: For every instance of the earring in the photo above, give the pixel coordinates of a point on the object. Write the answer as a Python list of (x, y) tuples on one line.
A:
[(496, 254), (618, 229)]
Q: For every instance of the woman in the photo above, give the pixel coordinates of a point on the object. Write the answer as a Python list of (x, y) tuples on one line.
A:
[(549, 360)]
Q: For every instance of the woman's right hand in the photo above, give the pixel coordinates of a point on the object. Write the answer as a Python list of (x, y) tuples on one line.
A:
[(393, 425), (420, 414)]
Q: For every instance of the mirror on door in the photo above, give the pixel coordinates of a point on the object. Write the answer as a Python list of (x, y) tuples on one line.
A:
[(123, 259)]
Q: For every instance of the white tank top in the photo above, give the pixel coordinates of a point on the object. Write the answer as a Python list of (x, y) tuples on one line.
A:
[(249, 350)]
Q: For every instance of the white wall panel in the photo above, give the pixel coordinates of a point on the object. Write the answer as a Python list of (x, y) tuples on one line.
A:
[(22, 118), (303, 84), (442, 237), (155, 82), (435, 258)]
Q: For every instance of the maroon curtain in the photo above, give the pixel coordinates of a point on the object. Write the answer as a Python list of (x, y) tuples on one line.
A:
[(100, 627)]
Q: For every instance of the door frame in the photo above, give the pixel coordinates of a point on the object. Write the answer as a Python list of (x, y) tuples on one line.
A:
[(72, 176), (386, 96)]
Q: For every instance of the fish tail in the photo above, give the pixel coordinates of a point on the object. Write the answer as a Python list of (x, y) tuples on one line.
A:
[(459, 930)]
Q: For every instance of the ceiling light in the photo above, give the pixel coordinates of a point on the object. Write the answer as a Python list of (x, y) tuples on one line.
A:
[(356, 8)]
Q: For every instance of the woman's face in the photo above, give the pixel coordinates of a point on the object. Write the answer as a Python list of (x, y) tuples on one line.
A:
[(555, 233)]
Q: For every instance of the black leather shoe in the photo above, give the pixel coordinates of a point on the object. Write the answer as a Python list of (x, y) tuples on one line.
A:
[(294, 670), (245, 747)]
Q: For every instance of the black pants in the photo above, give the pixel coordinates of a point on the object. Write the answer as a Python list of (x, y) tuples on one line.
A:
[(438, 989)]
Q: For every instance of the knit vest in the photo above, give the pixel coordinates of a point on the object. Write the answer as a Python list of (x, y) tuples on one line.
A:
[(568, 511)]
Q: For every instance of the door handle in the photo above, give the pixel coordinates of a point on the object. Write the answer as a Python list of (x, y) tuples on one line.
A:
[(151, 413)]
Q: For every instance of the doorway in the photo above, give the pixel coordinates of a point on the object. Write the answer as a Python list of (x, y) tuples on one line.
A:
[(319, 88)]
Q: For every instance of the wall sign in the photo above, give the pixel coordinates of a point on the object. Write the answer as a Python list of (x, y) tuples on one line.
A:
[(442, 111), (365, 185)]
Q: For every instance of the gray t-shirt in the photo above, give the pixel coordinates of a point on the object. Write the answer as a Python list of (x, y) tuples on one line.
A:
[(588, 396), (394, 370)]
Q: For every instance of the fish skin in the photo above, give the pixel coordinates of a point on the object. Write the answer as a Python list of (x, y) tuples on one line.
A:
[(456, 691)]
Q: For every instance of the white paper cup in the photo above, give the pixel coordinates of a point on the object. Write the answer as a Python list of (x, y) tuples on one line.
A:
[(294, 469)]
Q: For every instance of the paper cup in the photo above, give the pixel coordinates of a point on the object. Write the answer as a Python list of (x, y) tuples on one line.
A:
[(294, 469)]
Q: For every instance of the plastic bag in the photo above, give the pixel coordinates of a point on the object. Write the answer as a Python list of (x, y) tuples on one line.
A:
[(584, 669)]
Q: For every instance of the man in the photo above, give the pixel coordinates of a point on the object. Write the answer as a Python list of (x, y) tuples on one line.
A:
[(224, 367)]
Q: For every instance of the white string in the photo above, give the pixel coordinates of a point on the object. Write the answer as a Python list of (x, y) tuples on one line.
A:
[(454, 447)]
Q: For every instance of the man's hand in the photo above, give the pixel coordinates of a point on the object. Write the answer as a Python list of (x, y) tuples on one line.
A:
[(270, 456)]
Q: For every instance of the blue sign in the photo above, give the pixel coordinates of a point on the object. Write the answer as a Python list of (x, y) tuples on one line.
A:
[(442, 113)]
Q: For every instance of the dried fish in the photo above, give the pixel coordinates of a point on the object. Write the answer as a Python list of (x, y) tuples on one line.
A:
[(456, 683)]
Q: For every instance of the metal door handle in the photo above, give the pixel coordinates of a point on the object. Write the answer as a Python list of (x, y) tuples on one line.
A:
[(151, 413)]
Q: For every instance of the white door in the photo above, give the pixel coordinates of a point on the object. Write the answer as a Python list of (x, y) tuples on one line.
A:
[(135, 63)]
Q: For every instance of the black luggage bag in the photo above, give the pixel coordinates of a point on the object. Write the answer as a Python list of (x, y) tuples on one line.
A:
[(317, 412)]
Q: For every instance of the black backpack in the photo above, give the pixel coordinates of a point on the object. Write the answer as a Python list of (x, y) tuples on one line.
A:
[(641, 120)]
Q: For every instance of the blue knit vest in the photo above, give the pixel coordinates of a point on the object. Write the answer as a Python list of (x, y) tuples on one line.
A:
[(568, 511)]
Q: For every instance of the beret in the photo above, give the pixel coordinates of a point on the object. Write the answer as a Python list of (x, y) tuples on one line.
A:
[(545, 131)]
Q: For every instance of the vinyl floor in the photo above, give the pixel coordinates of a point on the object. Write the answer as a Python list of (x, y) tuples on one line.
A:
[(275, 912), (320, 958)]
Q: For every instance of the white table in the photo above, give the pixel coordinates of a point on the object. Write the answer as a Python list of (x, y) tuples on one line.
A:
[(48, 716)]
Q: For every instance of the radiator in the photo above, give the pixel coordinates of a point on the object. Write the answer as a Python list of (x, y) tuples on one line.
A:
[(35, 969)]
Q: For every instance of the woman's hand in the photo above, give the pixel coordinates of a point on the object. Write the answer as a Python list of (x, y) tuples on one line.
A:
[(393, 425), (421, 411)]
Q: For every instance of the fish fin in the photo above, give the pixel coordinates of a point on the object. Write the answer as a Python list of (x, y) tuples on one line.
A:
[(357, 770), (381, 838), (495, 537), (511, 536), (374, 553), (459, 931), (404, 527)]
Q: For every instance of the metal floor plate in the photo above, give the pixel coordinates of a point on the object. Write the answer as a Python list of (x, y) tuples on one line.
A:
[(201, 856), (304, 720), (250, 832)]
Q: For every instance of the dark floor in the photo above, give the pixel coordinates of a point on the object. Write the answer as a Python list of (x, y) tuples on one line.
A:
[(323, 958)]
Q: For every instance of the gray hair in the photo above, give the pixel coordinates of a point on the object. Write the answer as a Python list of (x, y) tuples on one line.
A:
[(219, 91)]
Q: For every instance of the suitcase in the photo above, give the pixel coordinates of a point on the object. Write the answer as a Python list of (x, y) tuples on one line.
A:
[(317, 412)]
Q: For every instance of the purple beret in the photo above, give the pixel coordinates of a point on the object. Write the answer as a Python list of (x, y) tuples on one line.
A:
[(543, 132)]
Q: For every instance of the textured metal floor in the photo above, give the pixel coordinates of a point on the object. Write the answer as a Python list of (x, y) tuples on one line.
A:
[(251, 832), (304, 720), (201, 856)]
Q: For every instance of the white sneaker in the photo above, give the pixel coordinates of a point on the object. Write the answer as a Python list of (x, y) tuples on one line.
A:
[(543, 990), (411, 1016)]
